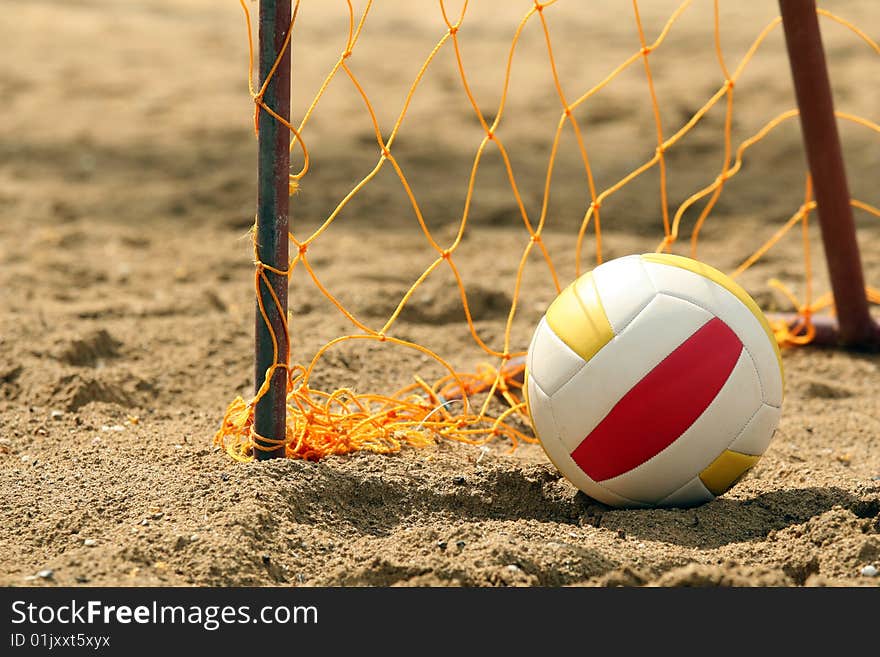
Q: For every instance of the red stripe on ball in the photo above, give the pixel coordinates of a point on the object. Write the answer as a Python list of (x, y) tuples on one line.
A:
[(660, 407)]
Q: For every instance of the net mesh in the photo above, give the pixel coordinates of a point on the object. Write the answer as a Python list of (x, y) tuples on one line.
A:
[(321, 423)]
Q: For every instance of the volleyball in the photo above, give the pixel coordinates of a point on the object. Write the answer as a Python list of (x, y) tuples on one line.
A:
[(654, 380)]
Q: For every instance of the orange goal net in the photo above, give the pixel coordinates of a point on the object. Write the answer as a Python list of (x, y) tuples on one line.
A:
[(483, 401)]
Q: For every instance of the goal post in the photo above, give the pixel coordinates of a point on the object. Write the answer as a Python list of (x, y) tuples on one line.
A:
[(271, 338), (854, 327)]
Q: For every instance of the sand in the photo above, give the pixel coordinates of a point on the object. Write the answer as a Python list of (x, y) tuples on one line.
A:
[(126, 192)]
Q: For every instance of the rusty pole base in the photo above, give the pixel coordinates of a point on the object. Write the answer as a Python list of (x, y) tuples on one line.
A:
[(828, 333)]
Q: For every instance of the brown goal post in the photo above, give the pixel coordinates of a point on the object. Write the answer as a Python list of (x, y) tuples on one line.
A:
[(854, 327), (271, 239)]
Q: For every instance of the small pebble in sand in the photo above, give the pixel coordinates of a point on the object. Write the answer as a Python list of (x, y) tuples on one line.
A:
[(870, 571), (45, 574), (90, 542), (56, 414), (460, 545), (194, 538), (513, 568), (441, 545), (459, 480)]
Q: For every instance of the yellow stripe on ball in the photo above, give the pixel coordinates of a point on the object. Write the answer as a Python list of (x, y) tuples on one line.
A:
[(578, 318), (726, 470)]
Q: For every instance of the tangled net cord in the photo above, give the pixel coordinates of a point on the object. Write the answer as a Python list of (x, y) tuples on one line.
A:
[(320, 423)]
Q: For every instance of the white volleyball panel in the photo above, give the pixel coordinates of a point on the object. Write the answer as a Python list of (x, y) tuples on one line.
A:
[(551, 362), (624, 288), (758, 433), (558, 454), (545, 427), (709, 435), (691, 494), (729, 309), (581, 403), (540, 409)]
